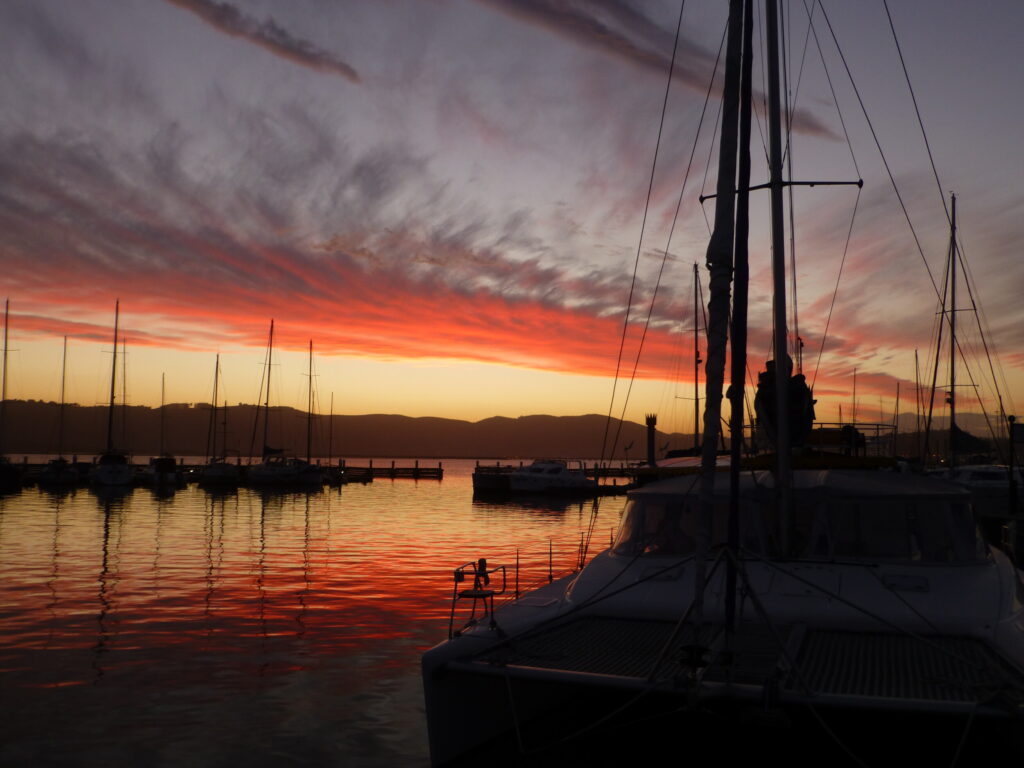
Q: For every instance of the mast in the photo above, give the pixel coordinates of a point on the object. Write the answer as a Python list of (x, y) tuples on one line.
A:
[(952, 335), (60, 413), (266, 406), (917, 406), (853, 418), (782, 369), (163, 383), (330, 433), (124, 392), (3, 375), (309, 408), (113, 381), (896, 419), (720, 263), (211, 433), (696, 357), (741, 276)]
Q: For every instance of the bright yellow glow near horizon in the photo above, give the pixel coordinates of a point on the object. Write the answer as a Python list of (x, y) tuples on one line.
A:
[(427, 387)]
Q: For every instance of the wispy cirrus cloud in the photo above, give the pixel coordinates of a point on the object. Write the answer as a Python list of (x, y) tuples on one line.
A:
[(269, 35), (616, 28)]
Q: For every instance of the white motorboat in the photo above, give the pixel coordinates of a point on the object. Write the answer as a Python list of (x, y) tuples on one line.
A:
[(550, 476)]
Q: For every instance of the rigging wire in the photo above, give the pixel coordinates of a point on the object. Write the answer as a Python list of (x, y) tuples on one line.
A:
[(917, 110), (664, 261), (711, 148), (643, 225), (982, 321), (942, 196), (795, 325), (881, 152), (856, 166), (707, 97)]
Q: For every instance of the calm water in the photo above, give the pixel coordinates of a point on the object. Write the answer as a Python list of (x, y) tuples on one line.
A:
[(244, 628)]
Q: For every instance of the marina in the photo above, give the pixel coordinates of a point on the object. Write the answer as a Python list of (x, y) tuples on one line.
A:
[(512, 383)]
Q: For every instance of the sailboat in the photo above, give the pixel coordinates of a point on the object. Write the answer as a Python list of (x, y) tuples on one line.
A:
[(10, 477), (217, 472), (163, 472), (112, 468), (278, 470), (59, 472), (744, 611)]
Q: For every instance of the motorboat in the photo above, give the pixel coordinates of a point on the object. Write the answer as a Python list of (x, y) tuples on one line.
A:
[(891, 604), (550, 476)]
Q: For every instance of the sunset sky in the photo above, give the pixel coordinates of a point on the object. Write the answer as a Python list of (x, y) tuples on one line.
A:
[(446, 196)]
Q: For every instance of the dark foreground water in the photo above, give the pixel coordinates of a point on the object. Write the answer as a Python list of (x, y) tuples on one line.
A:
[(245, 628)]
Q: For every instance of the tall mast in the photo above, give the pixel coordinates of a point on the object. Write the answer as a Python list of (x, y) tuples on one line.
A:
[(60, 416), (163, 383), (330, 433), (696, 357), (782, 372), (309, 408), (266, 407), (917, 406), (3, 375), (211, 436), (952, 335), (113, 381), (720, 265), (741, 276), (124, 392), (896, 419), (853, 418)]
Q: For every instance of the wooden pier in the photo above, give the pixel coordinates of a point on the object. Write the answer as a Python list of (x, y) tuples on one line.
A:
[(355, 474)]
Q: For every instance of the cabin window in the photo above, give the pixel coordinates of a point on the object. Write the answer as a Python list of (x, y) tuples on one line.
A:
[(883, 529), (669, 527)]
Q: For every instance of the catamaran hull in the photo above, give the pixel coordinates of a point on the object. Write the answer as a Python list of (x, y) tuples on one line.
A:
[(482, 710)]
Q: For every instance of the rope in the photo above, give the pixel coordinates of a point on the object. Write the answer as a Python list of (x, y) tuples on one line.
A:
[(881, 152), (714, 130), (835, 293), (917, 111), (664, 260), (643, 225)]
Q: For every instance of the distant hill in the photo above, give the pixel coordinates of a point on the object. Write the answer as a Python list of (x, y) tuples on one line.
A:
[(32, 427)]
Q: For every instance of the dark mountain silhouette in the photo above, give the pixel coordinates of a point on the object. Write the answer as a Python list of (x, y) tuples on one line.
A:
[(32, 427)]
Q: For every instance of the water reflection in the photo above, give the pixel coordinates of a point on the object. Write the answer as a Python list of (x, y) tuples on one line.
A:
[(224, 627), (111, 514)]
